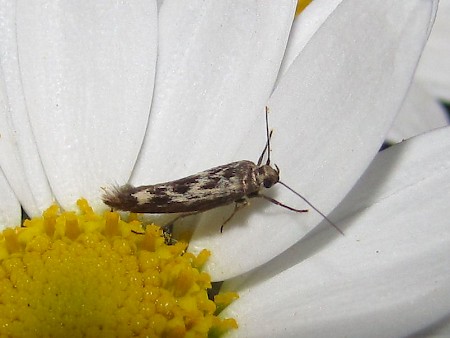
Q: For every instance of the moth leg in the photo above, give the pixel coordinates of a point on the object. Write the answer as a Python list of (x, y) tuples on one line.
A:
[(168, 227), (238, 205), (274, 201), (167, 234), (168, 240)]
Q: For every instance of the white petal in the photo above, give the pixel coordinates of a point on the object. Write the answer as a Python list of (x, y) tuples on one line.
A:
[(159, 3), (20, 158), (217, 63), (434, 67), (10, 212), (420, 113), (387, 277), (88, 73), (304, 27), (440, 329), (331, 112), (10, 161)]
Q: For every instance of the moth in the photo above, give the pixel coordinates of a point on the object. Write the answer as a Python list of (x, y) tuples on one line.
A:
[(235, 182)]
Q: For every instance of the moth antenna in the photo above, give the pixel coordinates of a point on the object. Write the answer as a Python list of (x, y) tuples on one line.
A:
[(267, 146), (269, 135), (312, 206), (277, 169)]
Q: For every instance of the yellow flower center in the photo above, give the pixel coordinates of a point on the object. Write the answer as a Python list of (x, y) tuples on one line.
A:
[(91, 275)]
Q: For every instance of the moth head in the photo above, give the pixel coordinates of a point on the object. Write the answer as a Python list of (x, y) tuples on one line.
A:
[(268, 176)]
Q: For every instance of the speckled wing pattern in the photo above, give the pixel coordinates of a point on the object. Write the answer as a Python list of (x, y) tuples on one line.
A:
[(206, 190)]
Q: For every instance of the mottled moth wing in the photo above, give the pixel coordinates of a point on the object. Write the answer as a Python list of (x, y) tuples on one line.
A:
[(206, 190)]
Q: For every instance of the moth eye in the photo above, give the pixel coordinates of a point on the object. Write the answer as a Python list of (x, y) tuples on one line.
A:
[(268, 183)]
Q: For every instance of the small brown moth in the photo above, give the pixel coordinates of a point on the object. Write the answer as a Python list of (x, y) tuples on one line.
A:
[(235, 182)]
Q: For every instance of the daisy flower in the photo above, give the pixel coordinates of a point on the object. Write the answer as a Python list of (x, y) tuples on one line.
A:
[(106, 93)]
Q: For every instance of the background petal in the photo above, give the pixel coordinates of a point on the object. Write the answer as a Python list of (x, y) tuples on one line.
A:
[(304, 27), (434, 67), (20, 158), (217, 63), (88, 73), (439, 329), (331, 112), (420, 113), (389, 275)]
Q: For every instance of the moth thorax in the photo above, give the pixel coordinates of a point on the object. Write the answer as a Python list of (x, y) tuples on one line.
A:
[(267, 176)]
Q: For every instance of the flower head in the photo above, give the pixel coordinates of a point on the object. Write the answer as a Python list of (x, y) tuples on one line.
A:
[(99, 276)]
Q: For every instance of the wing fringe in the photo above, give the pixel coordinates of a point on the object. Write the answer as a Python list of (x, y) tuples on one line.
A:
[(119, 197)]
